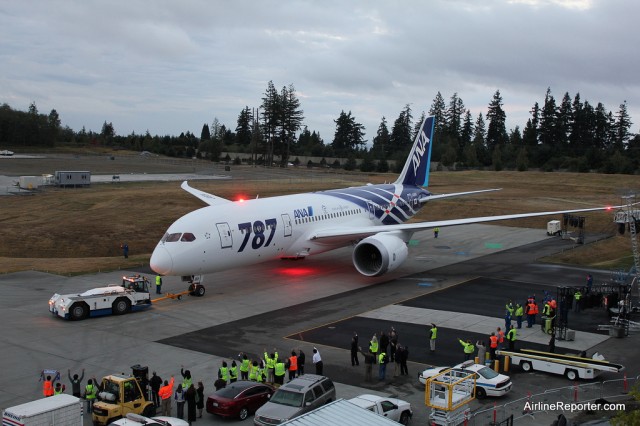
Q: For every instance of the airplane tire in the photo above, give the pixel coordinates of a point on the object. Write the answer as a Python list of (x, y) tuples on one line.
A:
[(121, 306), (79, 311), (198, 291), (526, 366)]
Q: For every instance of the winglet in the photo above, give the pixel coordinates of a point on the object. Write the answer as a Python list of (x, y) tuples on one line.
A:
[(212, 200), (416, 169)]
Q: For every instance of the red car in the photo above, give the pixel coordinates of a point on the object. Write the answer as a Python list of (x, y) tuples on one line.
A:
[(239, 399)]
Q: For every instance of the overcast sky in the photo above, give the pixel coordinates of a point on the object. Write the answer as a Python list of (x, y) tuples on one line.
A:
[(171, 66)]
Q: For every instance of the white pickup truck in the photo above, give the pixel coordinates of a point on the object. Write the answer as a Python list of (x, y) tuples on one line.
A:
[(132, 295), (391, 408)]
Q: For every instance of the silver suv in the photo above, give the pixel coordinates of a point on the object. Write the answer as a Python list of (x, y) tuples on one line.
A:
[(297, 397)]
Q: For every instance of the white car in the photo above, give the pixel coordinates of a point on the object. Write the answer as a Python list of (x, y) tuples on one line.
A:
[(391, 408), (488, 382), (136, 419)]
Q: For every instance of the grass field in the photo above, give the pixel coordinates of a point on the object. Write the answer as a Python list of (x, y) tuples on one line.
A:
[(70, 231)]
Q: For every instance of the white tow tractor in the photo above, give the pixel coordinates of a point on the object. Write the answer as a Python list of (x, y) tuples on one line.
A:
[(132, 295)]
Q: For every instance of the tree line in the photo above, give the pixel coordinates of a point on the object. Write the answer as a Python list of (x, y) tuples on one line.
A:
[(569, 134)]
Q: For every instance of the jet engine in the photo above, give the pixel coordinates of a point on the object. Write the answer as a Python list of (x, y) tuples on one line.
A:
[(378, 254)]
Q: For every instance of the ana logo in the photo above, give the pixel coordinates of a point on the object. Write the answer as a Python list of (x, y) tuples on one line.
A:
[(419, 152), (300, 213)]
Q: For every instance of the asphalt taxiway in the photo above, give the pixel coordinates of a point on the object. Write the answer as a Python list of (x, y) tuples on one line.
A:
[(461, 280)]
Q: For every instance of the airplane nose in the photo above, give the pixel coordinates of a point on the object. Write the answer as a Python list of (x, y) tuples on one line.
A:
[(161, 261)]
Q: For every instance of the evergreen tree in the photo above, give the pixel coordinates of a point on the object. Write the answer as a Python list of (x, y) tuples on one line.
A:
[(563, 125), (438, 111), (381, 141), (548, 120), (479, 141), (205, 134), (400, 138), (496, 131), (291, 121), (270, 119), (466, 135), (349, 135), (243, 127), (622, 126)]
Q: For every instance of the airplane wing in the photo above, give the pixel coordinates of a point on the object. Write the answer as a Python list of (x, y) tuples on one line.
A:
[(358, 233), (212, 200), (455, 194)]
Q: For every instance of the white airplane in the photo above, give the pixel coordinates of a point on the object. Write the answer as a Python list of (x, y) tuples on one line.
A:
[(228, 234)]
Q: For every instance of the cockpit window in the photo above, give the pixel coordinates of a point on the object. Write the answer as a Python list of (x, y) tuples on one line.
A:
[(187, 237), (173, 237)]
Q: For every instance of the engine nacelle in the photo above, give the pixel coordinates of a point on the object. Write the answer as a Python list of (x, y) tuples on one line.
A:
[(379, 254)]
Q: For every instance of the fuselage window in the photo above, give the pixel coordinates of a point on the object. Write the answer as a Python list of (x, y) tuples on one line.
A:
[(187, 237), (171, 238)]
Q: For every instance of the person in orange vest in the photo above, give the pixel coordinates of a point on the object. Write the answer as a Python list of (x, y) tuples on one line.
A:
[(47, 387), (532, 311), (293, 365), (493, 345), (165, 393), (500, 335)]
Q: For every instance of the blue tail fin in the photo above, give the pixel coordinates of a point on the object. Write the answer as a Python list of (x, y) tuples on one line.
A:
[(416, 169)]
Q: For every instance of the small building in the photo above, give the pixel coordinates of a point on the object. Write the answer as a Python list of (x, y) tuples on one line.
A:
[(72, 178)]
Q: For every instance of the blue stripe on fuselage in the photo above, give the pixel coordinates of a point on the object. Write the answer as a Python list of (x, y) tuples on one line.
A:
[(381, 196)]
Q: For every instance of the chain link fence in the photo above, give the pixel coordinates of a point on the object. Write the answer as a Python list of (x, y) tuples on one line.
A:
[(558, 398)]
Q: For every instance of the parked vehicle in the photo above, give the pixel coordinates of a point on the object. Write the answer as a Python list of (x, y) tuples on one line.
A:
[(136, 419), (297, 397), (239, 399), (488, 382), (391, 408), (120, 395), (132, 295), (59, 410), (571, 366)]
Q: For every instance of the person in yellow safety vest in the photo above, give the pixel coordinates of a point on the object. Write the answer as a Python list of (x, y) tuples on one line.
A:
[(253, 374), (469, 348), (233, 372), (58, 389), (546, 311), (270, 362), (519, 314), (293, 365), (187, 381), (382, 365), (511, 337), (432, 337), (244, 367), (373, 346), (90, 393), (576, 298), (279, 371), (158, 284), (260, 373), (223, 372)]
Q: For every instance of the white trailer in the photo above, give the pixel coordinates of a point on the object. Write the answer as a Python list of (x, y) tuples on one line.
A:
[(59, 410), (570, 366), (132, 295)]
